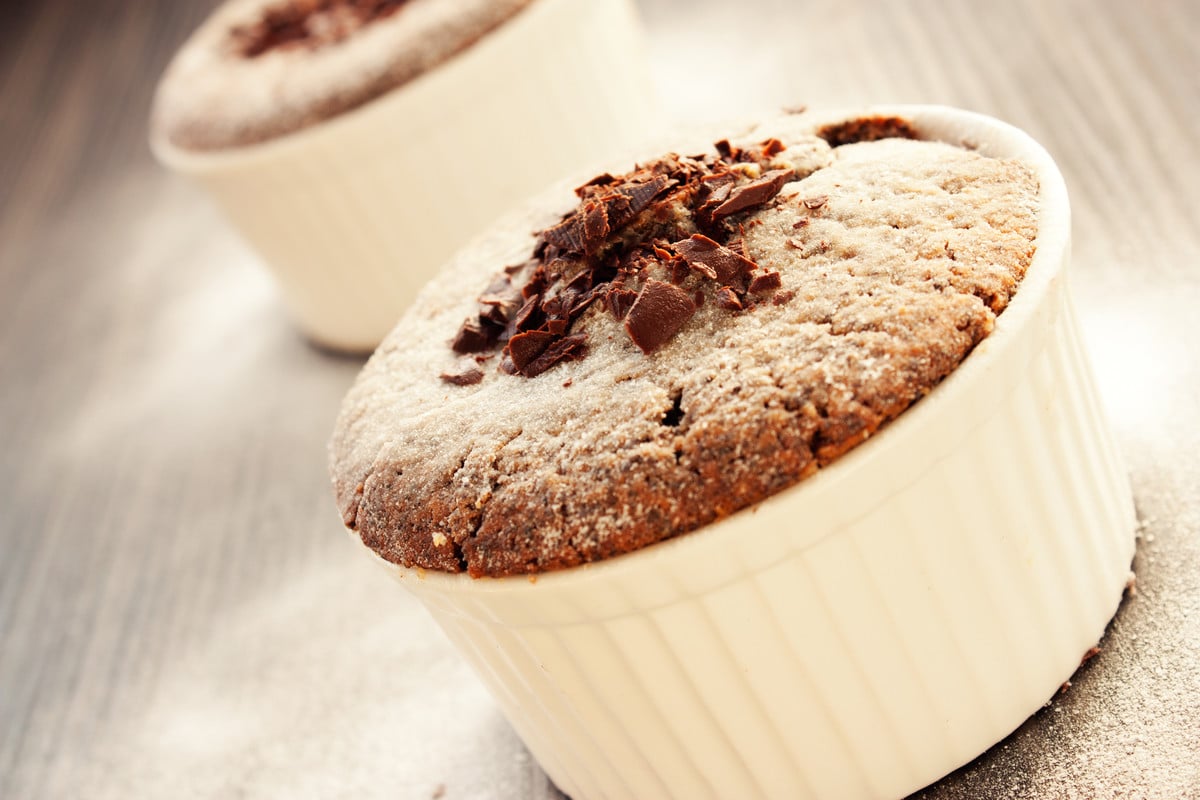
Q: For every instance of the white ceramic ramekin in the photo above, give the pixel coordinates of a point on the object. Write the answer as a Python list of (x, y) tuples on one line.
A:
[(354, 215), (860, 634)]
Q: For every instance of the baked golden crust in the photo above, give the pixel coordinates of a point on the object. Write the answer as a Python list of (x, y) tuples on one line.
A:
[(894, 257)]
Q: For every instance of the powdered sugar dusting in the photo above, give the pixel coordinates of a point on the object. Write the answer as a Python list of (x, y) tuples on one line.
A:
[(589, 459), (212, 96)]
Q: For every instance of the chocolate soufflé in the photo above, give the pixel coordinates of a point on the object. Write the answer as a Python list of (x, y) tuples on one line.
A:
[(260, 69), (677, 342)]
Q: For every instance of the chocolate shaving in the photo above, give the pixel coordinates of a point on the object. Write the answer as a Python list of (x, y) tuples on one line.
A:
[(468, 377), (527, 318), (706, 255), (782, 296), (620, 211), (620, 301), (567, 348), (728, 299), (527, 346), (753, 194), (615, 247), (660, 310), (471, 338), (536, 283), (641, 195), (567, 234), (498, 304), (581, 304), (581, 283), (714, 190), (595, 227), (609, 204), (718, 179), (765, 282)]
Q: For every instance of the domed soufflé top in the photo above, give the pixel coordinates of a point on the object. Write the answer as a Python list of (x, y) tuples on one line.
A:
[(677, 343), (259, 69)]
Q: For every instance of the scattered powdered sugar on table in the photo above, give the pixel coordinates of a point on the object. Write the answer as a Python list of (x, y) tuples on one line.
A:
[(1127, 726), (300, 694)]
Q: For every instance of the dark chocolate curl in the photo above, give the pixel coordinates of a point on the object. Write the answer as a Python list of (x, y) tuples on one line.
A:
[(641, 195), (753, 194), (766, 282), (660, 310), (620, 301), (591, 254), (567, 235), (595, 227), (568, 348), (729, 268), (525, 347), (471, 338), (728, 299), (620, 211)]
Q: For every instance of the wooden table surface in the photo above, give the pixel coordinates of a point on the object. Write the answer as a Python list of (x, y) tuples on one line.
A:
[(180, 613)]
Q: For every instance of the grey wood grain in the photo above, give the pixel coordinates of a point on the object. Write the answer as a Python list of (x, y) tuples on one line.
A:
[(179, 613)]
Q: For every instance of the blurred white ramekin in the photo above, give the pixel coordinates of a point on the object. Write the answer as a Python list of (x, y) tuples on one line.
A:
[(354, 214)]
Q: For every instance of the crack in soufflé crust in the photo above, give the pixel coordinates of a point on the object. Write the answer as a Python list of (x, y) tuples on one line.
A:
[(798, 289)]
